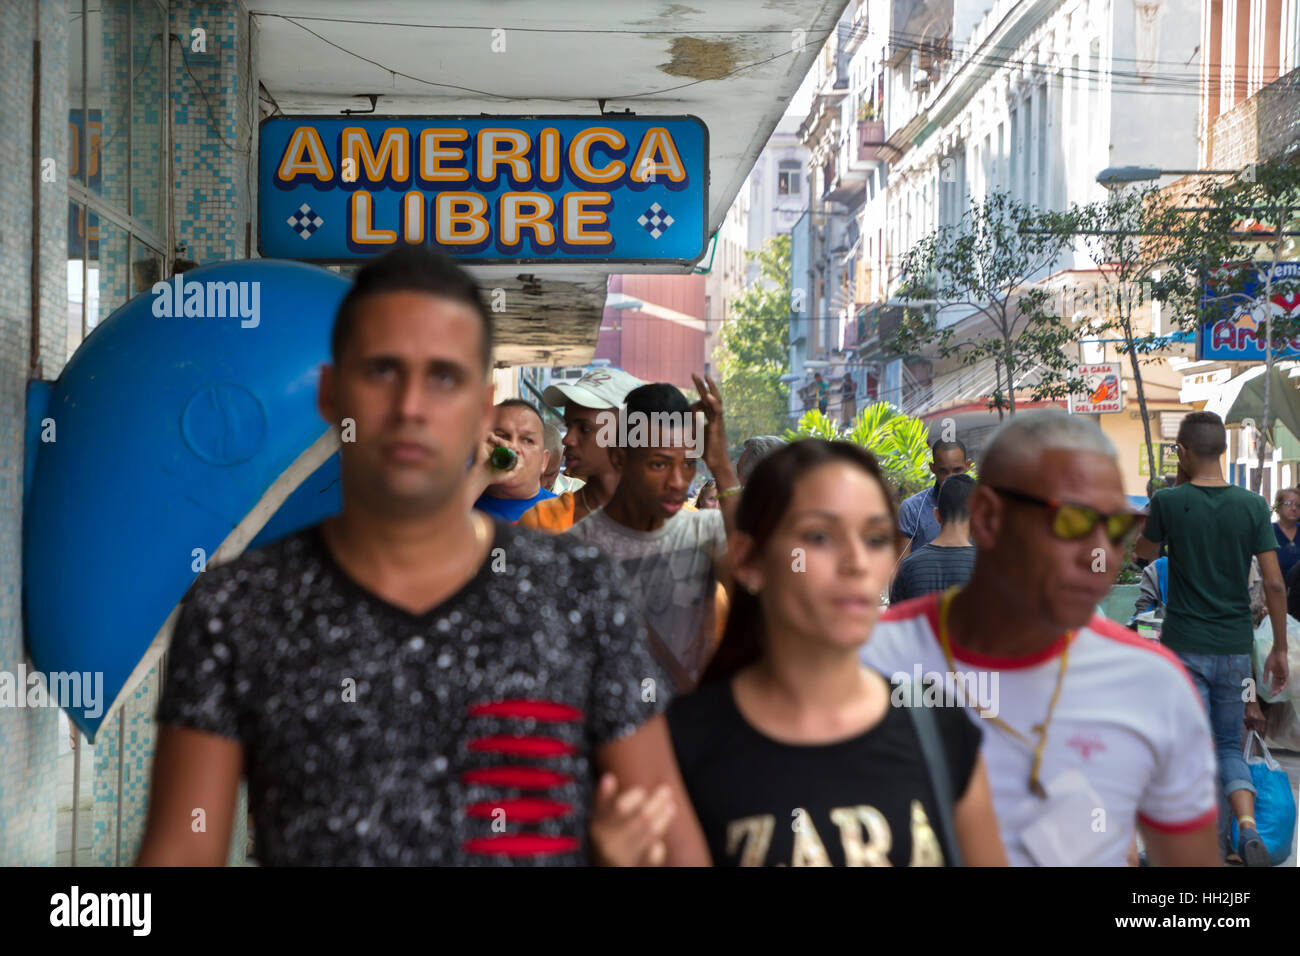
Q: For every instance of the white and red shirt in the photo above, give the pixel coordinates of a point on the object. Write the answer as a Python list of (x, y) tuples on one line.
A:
[(1128, 718)]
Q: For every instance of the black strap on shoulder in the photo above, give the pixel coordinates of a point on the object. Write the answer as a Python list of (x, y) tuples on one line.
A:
[(936, 765)]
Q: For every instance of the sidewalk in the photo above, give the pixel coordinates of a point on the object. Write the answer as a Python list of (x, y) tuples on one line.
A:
[(63, 816)]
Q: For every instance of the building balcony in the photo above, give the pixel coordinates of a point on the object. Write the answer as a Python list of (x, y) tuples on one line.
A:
[(848, 188), (1261, 127), (871, 137), (846, 177)]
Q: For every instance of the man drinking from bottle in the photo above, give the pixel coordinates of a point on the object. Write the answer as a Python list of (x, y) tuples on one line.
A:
[(507, 492)]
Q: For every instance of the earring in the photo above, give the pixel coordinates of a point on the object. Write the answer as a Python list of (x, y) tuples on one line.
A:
[(751, 589)]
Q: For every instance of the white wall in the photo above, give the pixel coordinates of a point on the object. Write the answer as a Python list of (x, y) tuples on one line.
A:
[(1045, 128), (1155, 127)]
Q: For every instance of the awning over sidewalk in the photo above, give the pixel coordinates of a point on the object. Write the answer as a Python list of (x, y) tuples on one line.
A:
[(732, 63), (970, 383), (1242, 398)]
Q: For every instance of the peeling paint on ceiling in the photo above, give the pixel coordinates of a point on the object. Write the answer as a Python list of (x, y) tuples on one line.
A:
[(701, 59)]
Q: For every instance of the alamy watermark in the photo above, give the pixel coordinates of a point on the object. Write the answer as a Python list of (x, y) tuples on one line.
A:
[(651, 430), (129, 910), (67, 690), (208, 300), (977, 689)]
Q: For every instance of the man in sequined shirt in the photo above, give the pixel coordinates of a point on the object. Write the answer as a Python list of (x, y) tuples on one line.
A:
[(410, 682)]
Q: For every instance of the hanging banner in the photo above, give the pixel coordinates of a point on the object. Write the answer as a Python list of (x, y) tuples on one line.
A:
[(485, 189), (1238, 336), (1102, 389)]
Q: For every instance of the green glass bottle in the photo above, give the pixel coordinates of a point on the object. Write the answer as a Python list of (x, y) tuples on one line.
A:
[(502, 458)]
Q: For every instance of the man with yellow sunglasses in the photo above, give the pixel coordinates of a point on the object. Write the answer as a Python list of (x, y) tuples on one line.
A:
[(1091, 733)]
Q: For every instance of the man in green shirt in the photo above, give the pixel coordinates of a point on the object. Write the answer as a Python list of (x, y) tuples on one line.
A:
[(1212, 529)]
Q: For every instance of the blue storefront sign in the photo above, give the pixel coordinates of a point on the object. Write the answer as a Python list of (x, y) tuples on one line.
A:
[(1236, 334), (485, 189)]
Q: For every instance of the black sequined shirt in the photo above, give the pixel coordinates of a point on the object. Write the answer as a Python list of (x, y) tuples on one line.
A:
[(373, 736)]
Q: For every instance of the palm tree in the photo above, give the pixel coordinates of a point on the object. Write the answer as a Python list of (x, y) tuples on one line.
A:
[(900, 442)]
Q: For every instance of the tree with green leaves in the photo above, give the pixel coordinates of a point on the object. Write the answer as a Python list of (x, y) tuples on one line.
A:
[(986, 266), (1132, 237), (753, 351), (1233, 240)]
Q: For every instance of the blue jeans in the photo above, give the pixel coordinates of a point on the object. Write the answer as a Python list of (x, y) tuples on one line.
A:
[(1220, 679)]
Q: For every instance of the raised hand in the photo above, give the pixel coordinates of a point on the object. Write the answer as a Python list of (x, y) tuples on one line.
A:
[(715, 432)]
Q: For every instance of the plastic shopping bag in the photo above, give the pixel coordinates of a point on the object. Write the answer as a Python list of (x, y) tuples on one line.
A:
[(1275, 809), (1282, 726), (1260, 652)]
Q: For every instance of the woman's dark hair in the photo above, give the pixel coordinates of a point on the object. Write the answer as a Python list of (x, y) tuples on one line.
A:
[(763, 504)]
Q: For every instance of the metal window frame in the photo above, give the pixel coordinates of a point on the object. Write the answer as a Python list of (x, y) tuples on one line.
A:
[(137, 232), (95, 203)]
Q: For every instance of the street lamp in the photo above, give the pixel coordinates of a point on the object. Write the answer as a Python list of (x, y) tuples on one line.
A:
[(1119, 175), (618, 300)]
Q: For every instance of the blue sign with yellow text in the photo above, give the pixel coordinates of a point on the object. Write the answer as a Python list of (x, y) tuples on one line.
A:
[(485, 189)]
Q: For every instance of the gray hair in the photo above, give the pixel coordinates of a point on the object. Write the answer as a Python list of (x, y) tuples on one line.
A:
[(552, 440), (1030, 433), (754, 451)]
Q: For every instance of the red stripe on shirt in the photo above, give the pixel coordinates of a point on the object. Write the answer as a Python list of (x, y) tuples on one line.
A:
[(523, 778), (1205, 819), (521, 844), (545, 710), (927, 606), (1122, 635), (520, 810), (523, 746)]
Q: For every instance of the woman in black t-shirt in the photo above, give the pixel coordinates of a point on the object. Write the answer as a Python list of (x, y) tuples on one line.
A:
[(790, 750)]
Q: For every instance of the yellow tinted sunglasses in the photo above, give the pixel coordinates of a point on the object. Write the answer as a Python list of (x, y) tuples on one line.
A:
[(1072, 522)]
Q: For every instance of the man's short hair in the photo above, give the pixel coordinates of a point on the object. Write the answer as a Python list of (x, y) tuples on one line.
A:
[(522, 403), (953, 498), (411, 269), (755, 450), (949, 446), (1203, 434), (1019, 441), (658, 398)]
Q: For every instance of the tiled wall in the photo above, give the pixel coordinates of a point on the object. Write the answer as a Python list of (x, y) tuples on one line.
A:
[(213, 140), (28, 737), (211, 153), (212, 190)]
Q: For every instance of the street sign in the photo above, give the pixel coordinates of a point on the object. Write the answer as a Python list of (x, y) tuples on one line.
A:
[(1166, 460), (485, 189), (1102, 391), (1239, 335)]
